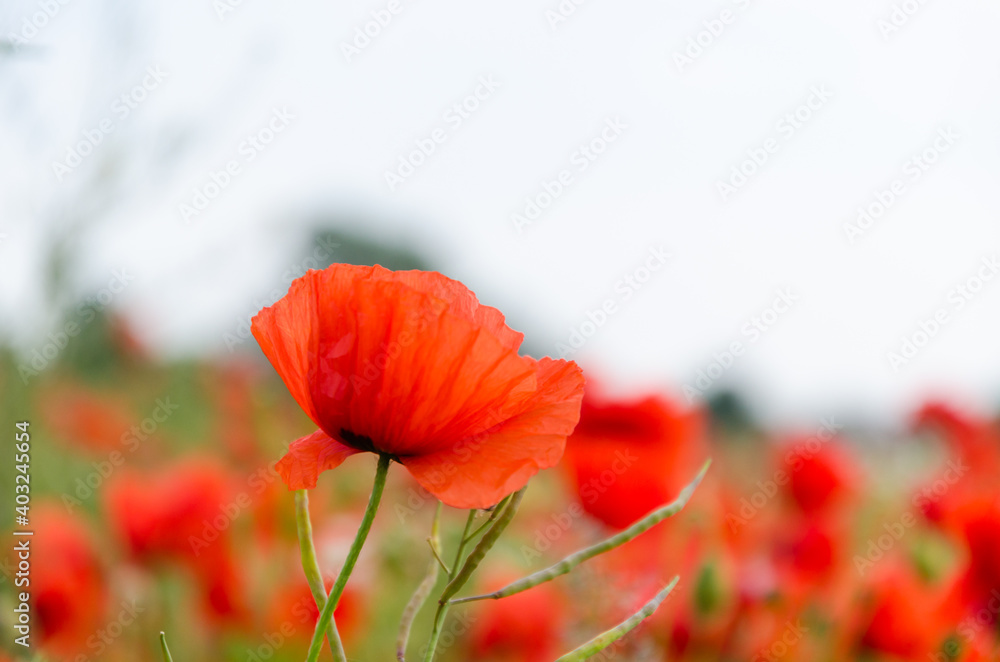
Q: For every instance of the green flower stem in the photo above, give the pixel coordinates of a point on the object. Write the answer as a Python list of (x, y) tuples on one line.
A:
[(163, 647), (423, 591), (575, 559), (326, 615), (462, 542), (485, 544), (313, 573), (439, 616), (442, 609), (602, 641), (458, 578), (497, 509), (436, 553)]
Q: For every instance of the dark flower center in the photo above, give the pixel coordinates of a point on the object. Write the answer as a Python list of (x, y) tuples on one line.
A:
[(359, 441)]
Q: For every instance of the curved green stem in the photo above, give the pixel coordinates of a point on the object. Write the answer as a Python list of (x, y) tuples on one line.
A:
[(462, 542), (164, 649), (436, 553), (439, 616), (326, 614), (310, 565), (605, 639), (497, 509), (485, 544), (459, 577), (423, 591), (442, 609), (575, 559)]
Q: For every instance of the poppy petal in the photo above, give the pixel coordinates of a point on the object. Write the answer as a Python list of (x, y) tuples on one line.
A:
[(480, 470), (310, 456), (462, 302), (445, 379), (286, 334)]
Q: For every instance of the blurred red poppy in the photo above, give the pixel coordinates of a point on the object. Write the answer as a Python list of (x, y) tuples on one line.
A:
[(231, 387), (627, 458), (68, 583), (812, 549), (409, 364), (823, 478), (184, 513), (898, 618), (968, 472), (973, 440), (86, 419), (525, 627), (293, 609), (978, 519)]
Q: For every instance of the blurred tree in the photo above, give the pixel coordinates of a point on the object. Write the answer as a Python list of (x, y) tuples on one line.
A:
[(729, 414), (350, 248)]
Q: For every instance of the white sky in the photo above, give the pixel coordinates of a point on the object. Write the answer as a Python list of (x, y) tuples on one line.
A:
[(654, 186)]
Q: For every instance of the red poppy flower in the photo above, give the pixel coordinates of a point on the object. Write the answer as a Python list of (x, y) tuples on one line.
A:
[(628, 458), (821, 479), (525, 626), (979, 519), (812, 548), (409, 364), (975, 441), (293, 609), (899, 616), (88, 420), (184, 513), (159, 515), (231, 386), (68, 583)]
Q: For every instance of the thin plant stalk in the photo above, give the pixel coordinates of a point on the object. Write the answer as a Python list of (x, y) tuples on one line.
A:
[(164, 649), (423, 590), (459, 577), (605, 639), (436, 553), (575, 559), (462, 542), (442, 609), (493, 515), (310, 565), (483, 546), (326, 614)]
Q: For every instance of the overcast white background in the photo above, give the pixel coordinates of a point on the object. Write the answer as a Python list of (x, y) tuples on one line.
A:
[(654, 186)]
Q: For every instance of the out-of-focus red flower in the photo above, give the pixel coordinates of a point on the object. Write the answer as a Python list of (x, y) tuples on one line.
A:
[(168, 512), (977, 648), (818, 480), (698, 616), (982, 533), (978, 441), (231, 388), (526, 626), (772, 632), (88, 420), (293, 609), (812, 550), (978, 520), (967, 473), (628, 458), (897, 619), (409, 364), (68, 586), (184, 514)]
